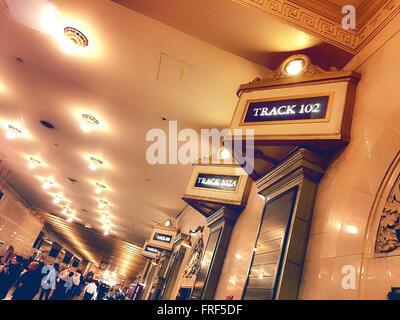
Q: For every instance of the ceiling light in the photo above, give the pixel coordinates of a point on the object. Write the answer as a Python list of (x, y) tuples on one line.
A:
[(224, 153), (167, 223), (64, 211), (57, 199), (13, 132), (102, 204), (47, 184), (295, 66), (70, 218), (104, 217), (95, 163), (76, 37), (106, 232), (99, 187), (88, 122), (33, 163)]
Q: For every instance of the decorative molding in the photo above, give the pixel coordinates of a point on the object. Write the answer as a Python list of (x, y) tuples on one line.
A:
[(312, 19), (388, 237)]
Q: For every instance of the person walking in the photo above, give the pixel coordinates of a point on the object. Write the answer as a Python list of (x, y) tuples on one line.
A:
[(90, 291), (68, 286), (9, 275), (76, 278), (28, 284), (48, 282)]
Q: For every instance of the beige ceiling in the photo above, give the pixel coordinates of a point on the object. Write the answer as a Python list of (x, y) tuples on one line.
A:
[(116, 80), (128, 78), (243, 31)]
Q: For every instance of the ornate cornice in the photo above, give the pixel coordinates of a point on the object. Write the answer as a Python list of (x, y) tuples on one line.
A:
[(312, 19)]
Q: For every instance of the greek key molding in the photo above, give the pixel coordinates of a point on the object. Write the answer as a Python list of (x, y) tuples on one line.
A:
[(310, 20)]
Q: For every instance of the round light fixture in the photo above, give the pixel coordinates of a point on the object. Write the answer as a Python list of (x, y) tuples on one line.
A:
[(88, 122), (57, 199), (102, 204), (95, 163), (224, 153), (70, 218), (295, 66), (99, 188), (106, 233), (64, 210), (47, 184), (13, 132), (167, 223), (76, 37), (33, 163)]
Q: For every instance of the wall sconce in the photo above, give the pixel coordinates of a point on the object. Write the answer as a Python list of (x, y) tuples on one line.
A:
[(187, 243), (199, 228)]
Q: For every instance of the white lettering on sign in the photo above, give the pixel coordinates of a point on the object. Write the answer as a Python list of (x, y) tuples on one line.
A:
[(162, 237), (151, 249), (286, 110), (217, 182)]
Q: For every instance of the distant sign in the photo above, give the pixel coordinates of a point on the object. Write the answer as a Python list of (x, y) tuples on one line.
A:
[(151, 249), (162, 237), (217, 181), (294, 109)]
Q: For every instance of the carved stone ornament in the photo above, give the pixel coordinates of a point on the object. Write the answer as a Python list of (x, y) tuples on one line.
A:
[(195, 260), (388, 237)]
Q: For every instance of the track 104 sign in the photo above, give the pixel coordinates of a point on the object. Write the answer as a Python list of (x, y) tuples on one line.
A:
[(292, 109)]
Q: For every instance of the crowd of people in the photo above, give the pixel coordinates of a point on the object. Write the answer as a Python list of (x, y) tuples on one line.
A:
[(24, 279)]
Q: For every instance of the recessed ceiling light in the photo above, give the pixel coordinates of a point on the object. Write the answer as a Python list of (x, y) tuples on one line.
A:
[(76, 37), (88, 122), (95, 163), (33, 163), (13, 131), (57, 199), (99, 188), (70, 218), (102, 204), (47, 184)]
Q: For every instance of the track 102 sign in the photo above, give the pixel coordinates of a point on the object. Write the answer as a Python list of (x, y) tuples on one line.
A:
[(292, 109)]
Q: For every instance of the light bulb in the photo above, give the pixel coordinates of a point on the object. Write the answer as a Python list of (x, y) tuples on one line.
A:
[(64, 211), (32, 165), (86, 126), (93, 166), (224, 153), (101, 205), (10, 135), (106, 233), (56, 200), (294, 67), (97, 190), (46, 185), (69, 219)]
